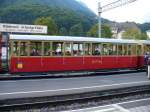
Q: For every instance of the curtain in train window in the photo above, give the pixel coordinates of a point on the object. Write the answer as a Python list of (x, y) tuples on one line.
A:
[(35, 48)]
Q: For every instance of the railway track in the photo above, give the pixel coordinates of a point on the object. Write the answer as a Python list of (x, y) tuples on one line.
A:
[(59, 103)]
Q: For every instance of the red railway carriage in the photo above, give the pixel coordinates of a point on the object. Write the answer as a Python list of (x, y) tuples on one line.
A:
[(35, 53)]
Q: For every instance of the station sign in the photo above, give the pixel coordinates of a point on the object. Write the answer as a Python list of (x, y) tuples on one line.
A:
[(22, 28)]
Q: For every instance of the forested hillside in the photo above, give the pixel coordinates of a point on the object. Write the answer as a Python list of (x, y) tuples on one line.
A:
[(71, 17), (66, 13)]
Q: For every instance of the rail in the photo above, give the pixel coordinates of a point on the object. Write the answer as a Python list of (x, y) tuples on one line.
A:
[(58, 102)]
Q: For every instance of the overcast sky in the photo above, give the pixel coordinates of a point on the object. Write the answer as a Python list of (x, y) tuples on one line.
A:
[(138, 11)]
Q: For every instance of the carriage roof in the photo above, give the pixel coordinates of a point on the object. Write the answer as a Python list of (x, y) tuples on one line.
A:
[(74, 39)]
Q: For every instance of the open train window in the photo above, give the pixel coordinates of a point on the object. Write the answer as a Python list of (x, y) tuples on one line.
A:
[(114, 48), (88, 48), (23, 48), (139, 50), (35, 48), (120, 49), (146, 49), (15, 48), (110, 49), (47, 49), (96, 49), (68, 48), (57, 48), (129, 49), (125, 49), (105, 49), (134, 50), (78, 49)]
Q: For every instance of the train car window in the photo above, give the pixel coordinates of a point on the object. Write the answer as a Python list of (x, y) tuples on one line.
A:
[(105, 49), (129, 49), (125, 49), (120, 49), (23, 48), (139, 50), (47, 49), (15, 49), (88, 48), (134, 50), (78, 49), (146, 49), (110, 49), (68, 49), (57, 48), (35, 48), (96, 49), (114, 49)]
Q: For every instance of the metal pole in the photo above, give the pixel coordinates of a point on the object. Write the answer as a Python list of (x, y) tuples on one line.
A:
[(148, 71), (99, 19)]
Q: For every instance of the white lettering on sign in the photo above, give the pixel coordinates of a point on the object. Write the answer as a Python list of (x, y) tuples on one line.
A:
[(21, 28)]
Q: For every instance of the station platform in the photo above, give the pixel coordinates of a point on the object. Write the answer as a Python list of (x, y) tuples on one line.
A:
[(142, 105), (64, 86)]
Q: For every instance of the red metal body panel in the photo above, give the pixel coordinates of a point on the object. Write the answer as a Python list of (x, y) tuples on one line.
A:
[(46, 64), (0, 53)]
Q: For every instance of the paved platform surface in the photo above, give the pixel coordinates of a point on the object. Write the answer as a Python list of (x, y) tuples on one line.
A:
[(142, 105), (51, 87)]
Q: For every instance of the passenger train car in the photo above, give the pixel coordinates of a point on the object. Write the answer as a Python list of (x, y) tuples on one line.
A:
[(40, 53)]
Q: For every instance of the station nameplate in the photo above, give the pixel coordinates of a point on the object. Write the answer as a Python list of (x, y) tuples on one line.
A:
[(22, 28)]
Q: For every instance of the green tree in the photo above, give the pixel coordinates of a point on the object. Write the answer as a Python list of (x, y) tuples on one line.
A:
[(63, 31), (49, 22), (76, 30), (134, 33), (105, 31), (144, 36)]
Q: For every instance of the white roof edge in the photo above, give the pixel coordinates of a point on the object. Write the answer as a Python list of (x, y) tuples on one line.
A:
[(73, 38)]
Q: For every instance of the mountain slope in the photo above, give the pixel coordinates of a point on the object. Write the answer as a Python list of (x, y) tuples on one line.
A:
[(66, 13)]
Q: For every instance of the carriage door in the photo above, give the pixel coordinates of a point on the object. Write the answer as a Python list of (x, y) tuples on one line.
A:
[(4, 52)]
